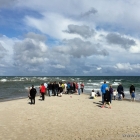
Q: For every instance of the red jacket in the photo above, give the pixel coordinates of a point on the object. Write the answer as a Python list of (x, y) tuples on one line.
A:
[(42, 89)]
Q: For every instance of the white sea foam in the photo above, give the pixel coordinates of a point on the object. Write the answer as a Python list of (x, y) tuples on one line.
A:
[(3, 80), (94, 84), (115, 84), (103, 82), (118, 80)]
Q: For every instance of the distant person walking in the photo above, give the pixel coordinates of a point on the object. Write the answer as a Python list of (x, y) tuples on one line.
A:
[(103, 90), (32, 94)]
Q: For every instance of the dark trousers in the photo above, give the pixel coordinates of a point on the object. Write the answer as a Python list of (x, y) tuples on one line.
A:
[(110, 98), (68, 90), (82, 90), (32, 100), (43, 96)]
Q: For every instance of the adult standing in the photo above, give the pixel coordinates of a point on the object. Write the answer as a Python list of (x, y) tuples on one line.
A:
[(50, 89), (120, 90), (45, 84), (106, 98), (132, 89), (43, 91), (79, 86), (33, 94), (111, 93), (103, 90), (82, 87), (68, 87)]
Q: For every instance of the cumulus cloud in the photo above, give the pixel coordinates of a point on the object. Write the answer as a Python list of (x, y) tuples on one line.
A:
[(83, 30), (30, 52), (2, 51), (118, 39), (78, 48), (35, 36), (92, 11)]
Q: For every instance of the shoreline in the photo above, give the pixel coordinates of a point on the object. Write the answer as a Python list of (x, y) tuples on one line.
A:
[(88, 94)]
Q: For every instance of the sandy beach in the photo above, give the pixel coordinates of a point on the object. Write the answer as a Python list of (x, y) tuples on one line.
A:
[(71, 117)]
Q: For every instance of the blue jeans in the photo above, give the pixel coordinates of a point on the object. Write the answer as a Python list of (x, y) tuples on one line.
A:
[(119, 96), (50, 92), (79, 91)]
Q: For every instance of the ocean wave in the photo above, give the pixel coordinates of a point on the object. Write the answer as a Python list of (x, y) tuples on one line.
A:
[(3, 80), (94, 84)]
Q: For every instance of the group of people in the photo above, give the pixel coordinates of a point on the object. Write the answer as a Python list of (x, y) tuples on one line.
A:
[(108, 93), (60, 88), (56, 89)]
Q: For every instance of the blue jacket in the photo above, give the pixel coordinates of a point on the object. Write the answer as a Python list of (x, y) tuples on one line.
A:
[(103, 88)]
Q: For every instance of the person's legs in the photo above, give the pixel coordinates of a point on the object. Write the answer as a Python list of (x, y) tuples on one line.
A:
[(79, 91), (110, 98), (34, 100), (42, 96), (50, 92), (109, 104), (119, 96), (102, 98), (31, 100)]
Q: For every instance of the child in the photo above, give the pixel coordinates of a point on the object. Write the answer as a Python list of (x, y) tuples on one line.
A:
[(93, 94), (98, 93), (114, 94), (133, 96)]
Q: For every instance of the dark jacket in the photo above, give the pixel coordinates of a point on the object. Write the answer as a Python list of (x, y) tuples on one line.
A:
[(50, 86), (107, 96), (120, 89), (33, 92), (132, 88)]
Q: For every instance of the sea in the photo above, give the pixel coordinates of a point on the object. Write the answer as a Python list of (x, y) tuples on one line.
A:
[(16, 87)]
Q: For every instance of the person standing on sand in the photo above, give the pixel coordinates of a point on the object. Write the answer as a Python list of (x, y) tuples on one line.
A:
[(120, 91), (106, 98), (131, 89), (45, 84), (33, 94), (43, 91), (111, 93), (103, 90), (79, 86), (82, 87)]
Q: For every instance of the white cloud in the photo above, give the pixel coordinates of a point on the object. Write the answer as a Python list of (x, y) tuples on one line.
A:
[(99, 68), (126, 66), (58, 66), (52, 24)]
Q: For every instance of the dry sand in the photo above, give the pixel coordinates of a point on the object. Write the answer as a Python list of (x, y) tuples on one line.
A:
[(71, 117)]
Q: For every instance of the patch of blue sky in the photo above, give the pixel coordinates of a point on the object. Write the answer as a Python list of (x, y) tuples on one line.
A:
[(52, 42), (117, 28), (12, 23)]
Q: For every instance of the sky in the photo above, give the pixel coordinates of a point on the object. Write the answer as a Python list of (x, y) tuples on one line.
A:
[(69, 38)]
